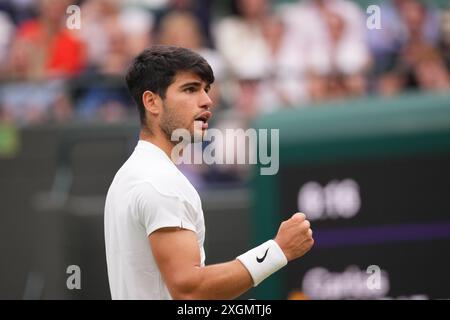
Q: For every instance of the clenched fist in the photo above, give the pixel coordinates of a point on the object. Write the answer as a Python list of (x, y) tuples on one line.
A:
[(295, 236)]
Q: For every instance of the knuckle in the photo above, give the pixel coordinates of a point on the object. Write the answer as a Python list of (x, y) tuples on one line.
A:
[(299, 216)]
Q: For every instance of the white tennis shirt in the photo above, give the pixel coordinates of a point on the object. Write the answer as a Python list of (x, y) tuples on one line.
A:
[(147, 193)]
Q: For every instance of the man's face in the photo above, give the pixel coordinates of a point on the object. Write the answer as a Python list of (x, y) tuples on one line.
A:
[(186, 106)]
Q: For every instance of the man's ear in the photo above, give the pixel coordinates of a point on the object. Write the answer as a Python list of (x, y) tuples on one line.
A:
[(152, 102)]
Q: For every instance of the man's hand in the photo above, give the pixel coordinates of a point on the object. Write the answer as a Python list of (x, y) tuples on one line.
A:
[(295, 236)]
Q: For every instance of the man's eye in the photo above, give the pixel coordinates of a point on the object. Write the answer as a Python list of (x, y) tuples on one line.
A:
[(189, 90)]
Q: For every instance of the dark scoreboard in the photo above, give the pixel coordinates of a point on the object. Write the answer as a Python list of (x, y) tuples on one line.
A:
[(374, 180), (394, 214)]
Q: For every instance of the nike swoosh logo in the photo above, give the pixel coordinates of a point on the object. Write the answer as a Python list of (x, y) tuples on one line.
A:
[(263, 258)]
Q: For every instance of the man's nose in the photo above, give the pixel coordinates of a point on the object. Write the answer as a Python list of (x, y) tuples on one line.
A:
[(205, 102)]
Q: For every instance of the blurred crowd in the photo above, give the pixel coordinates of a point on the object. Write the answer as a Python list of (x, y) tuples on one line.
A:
[(266, 54)]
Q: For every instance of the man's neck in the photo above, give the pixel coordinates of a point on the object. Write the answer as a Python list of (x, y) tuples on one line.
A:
[(158, 140)]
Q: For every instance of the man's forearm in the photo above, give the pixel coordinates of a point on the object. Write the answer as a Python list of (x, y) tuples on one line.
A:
[(226, 280)]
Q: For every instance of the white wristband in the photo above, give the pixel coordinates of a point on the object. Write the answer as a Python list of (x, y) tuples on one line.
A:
[(263, 260)]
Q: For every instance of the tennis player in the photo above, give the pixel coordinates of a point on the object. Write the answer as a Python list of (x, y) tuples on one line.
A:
[(154, 225)]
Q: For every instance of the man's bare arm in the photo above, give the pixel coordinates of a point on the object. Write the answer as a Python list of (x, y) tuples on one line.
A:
[(177, 254)]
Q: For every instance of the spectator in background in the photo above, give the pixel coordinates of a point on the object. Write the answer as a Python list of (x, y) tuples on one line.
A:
[(418, 63), (240, 39), (430, 71), (285, 84), (114, 34), (387, 42), (248, 57), (44, 48), (200, 9), (332, 37), (265, 62), (45, 52)]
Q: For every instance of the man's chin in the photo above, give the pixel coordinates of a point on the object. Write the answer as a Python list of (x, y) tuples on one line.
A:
[(198, 135), (198, 132)]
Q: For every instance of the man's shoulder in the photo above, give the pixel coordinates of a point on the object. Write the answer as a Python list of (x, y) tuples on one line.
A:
[(166, 181), (139, 167), (150, 175)]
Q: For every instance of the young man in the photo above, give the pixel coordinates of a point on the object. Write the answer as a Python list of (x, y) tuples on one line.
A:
[(154, 226)]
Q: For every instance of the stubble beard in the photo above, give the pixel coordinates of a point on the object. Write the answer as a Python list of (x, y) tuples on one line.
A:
[(171, 121)]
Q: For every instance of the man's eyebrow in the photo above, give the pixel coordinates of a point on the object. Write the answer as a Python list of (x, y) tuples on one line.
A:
[(193, 83), (196, 84)]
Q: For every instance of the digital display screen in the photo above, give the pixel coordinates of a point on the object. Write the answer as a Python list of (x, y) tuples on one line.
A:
[(381, 228)]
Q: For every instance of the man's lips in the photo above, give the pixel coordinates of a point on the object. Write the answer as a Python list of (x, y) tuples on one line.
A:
[(204, 117)]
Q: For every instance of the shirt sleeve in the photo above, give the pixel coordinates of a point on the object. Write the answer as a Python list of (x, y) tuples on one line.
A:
[(156, 210)]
